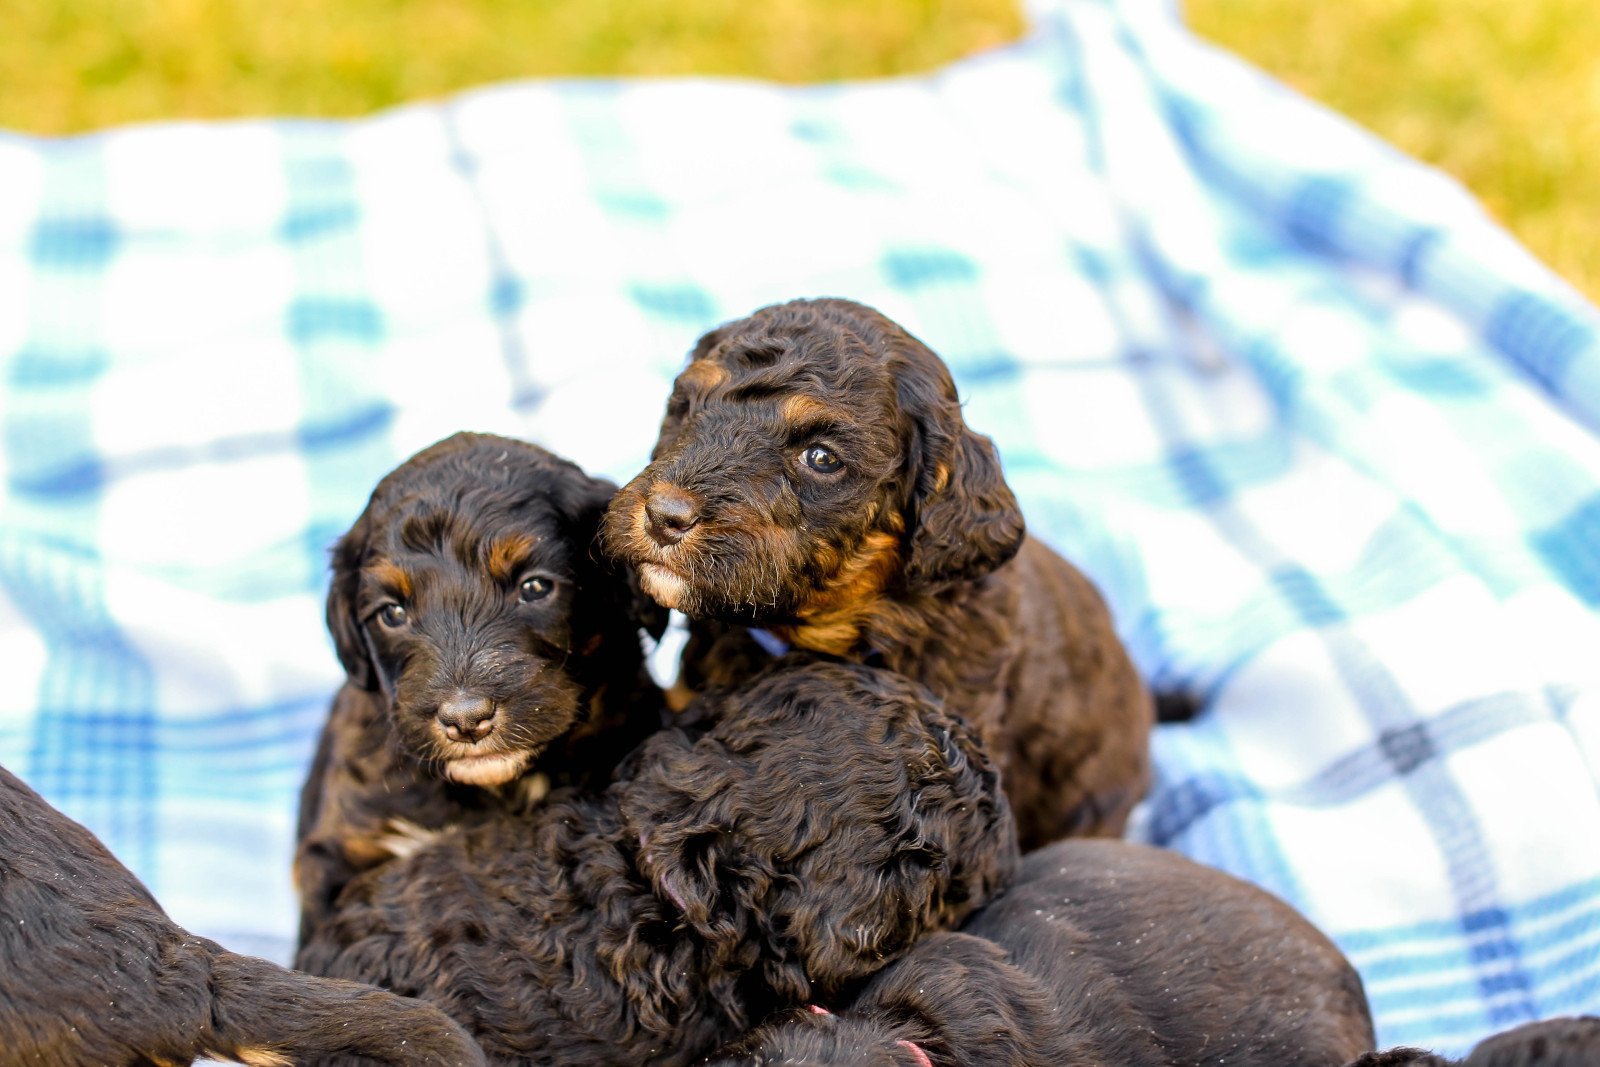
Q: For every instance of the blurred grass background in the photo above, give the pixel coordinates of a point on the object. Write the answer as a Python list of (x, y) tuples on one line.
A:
[(1505, 94)]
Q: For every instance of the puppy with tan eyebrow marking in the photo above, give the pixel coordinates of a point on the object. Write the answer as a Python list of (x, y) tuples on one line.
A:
[(489, 655), (815, 485)]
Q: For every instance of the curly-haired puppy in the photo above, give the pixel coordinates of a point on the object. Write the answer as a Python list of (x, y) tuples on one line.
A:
[(1101, 953), (488, 654), (814, 478), (93, 972), (1573, 1041), (776, 847)]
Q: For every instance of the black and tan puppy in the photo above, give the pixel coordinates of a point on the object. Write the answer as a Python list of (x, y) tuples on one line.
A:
[(776, 847), (1573, 1041), (93, 972), (814, 478), (488, 655), (1102, 953)]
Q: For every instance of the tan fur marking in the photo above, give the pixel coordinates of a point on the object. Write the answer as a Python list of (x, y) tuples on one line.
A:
[(392, 576), (801, 408), (507, 554), (678, 696), (941, 477), (264, 1057), (833, 618), (365, 851), (703, 374)]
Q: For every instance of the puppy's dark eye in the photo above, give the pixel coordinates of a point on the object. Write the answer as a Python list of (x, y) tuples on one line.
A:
[(821, 460), (392, 615), (535, 589)]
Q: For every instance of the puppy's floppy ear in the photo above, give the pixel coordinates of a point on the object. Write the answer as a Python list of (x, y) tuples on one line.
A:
[(583, 502), (652, 617), (670, 805), (348, 555), (964, 521)]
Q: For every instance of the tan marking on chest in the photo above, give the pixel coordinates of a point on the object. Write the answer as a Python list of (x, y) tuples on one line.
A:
[(833, 618)]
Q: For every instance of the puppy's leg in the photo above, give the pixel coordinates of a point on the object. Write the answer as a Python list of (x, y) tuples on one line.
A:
[(266, 1016)]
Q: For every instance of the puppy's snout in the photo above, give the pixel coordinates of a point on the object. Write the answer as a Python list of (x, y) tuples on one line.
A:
[(670, 513), (466, 717)]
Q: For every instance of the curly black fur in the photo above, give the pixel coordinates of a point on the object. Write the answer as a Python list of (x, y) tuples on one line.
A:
[(466, 601), (776, 847), (93, 972), (814, 477), (1101, 953)]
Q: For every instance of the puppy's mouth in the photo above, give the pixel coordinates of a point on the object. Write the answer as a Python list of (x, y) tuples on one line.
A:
[(522, 730), (664, 585), (487, 770)]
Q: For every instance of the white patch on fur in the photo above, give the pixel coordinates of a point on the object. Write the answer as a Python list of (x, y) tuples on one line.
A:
[(404, 838), (664, 657), (533, 788), (485, 770), (664, 587)]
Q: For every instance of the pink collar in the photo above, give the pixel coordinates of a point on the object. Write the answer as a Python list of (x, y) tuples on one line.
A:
[(916, 1049)]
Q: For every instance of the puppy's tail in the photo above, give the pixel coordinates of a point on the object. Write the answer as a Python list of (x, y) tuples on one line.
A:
[(266, 1016)]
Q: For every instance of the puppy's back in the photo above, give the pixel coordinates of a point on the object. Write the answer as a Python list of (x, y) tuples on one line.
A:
[(1215, 968), (92, 971)]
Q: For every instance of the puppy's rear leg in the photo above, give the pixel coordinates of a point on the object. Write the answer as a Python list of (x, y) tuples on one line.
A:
[(266, 1016)]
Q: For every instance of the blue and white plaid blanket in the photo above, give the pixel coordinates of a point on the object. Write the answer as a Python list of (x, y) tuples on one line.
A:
[(1324, 434)]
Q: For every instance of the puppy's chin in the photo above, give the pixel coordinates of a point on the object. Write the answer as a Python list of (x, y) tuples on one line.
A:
[(664, 586), (486, 771)]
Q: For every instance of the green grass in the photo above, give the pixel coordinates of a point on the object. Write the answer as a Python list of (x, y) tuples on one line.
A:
[(70, 65), (1505, 94)]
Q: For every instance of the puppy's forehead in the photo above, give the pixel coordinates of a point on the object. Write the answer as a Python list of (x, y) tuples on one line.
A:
[(826, 373), (430, 530)]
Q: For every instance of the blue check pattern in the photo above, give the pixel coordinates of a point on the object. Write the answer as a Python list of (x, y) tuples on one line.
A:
[(1324, 435)]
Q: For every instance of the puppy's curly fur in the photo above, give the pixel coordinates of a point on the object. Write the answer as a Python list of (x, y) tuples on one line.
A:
[(1572, 1041), (777, 846), (1100, 953), (489, 655), (814, 477), (93, 972)]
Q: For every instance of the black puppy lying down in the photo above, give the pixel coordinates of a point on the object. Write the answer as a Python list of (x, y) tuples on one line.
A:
[(93, 972), (1102, 953), (776, 846)]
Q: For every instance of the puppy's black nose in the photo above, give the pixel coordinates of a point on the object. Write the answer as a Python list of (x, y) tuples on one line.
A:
[(670, 513), (466, 717)]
